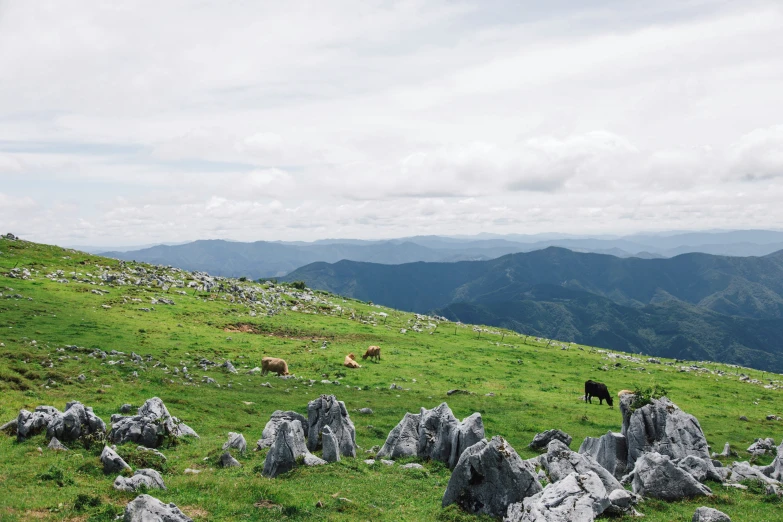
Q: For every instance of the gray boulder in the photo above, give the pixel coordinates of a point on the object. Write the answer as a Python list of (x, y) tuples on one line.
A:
[(708, 514), (559, 462), (739, 471), (112, 462), (312, 460), (326, 410), (331, 452), (700, 469), (227, 461), (725, 453), (126, 408), (269, 434), (655, 475), (235, 441), (229, 367), (56, 445), (403, 439), (145, 508), (468, 432), (661, 427), (149, 478), (542, 440), (577, 497), (762, 447), (149, 427), (775, 470), (610, 451), (75, 422), (10, 426), (289, 446), (30, 423), (488, 478)]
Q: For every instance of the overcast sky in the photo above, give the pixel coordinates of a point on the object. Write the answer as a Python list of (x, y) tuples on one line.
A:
[(141, 122)]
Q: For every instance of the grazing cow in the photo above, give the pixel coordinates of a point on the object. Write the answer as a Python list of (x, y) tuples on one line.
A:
[(624, 392), (372, 352), (273, 364), (597, 389), (350, 361)]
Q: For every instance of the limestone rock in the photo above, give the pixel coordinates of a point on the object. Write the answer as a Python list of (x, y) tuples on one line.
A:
[(739, 471), (609, 450), (227, 461), (149, 427), (312, 460), (708, 514), (403, 439), (542, 440), (412, 465), (145, 508), (289, 445), (489, 477), (235, 441), (112, 463), (10, 426), (75, 422), (126, 408), (150, 478), (700, 469), (269, 434), (328, 411), (559, 462), (331, 452), (762, 447), (655, 475), (577, 496), (661, 427), (56, 445), (775, 470)]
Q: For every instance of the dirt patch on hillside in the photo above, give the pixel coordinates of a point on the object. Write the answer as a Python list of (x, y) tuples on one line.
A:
[(295, 335), (267, 504)]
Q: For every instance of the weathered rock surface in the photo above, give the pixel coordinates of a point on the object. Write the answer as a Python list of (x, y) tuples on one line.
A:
[(326, 410), (655, 475), (542, 440), (75, 422), (235, 441), (700, 469), (112, 463), (489, 477), (559, 462), (269, 434), (331, 451), (661, 427), (289, 446), (610, 451), (56, 445), (739, 471), (150, 427), (227, 461), (412, 465), (775, 470), (577, 496), (145, 508), (762, 447), (403, 439), (708, 514), (10, 426), (149, 478)]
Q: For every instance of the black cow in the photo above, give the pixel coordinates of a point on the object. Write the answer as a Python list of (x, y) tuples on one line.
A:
[(597, 389)]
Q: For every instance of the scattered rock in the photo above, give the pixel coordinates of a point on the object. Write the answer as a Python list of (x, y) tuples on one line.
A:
[(725, 453), (743, 418), (328, 411), (370, 462), (289, 446), (126, 408), (190, 471), (655, 475), (149, 478), (609, 450), (412, 465), (403, 439), (75, 422), (365, 411), (235, 441), (542, 440), (9, 427), (387, 462), (56, 445), (227, 461), (762, 447), (269, 434), (331, 449), (112, 462), (150, 427), (577, 496), (145, 508), (488, 477), (708, 514), (229, 367), (462, 392), (700, 469)]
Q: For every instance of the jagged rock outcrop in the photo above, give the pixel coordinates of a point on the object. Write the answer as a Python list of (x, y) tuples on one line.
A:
[(762, 447), (559, 461), (145, 508), (542, 440), (331, 449), (775, 469), (149, 427), (288, 448), (578, 496), (433, 434), (77, 421), (149, 478), (269, 434), (235, 441), (655, 475), (326, 410), (609, 450), (661, 427), (700, 469), (739, 471), (112, 462), (708, 514), (489, 477)]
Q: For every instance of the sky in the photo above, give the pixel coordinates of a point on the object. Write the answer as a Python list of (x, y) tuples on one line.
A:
[(126, 123)]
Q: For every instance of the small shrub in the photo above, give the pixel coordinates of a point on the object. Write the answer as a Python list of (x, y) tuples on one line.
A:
[(643, 397), (57, 476), (84, 501)]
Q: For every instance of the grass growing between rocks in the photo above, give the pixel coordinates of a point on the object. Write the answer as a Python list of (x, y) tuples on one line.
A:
[(536, 386)]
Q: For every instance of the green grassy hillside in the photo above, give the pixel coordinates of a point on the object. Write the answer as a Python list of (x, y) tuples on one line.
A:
[(72, 304)]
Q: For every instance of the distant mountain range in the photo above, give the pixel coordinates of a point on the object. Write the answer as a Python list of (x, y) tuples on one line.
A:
[(274, 259), (695, 306)]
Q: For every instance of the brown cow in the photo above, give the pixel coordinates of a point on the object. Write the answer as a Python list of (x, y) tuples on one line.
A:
[(372, 352), (624, 392), (273, 364), (350, 361)]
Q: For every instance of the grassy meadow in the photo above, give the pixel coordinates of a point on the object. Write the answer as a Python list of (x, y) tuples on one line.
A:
[(520, 385)]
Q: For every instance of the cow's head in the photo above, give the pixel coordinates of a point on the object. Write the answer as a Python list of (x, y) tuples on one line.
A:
[(610, 401)]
